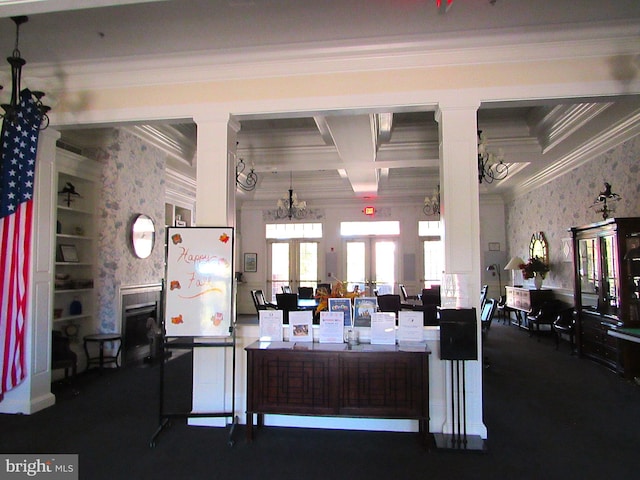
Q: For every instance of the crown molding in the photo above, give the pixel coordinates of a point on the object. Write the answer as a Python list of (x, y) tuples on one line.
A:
[(597, 145), (501, 46)]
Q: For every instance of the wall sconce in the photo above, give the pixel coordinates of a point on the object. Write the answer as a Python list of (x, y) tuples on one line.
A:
[(432, 203), (245, 181), (491, 166)]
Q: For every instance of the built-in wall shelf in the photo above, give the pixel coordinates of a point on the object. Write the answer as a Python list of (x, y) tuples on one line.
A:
[(77, 187)]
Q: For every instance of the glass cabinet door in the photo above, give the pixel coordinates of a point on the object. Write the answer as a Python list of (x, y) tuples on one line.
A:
[(632, 257), (588, 271), (610, 290)]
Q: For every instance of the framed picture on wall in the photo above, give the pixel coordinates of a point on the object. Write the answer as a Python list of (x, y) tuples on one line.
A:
[(250, 262)]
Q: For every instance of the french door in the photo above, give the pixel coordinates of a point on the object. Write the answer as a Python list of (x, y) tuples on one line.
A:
[(371, 264), (292, 263)]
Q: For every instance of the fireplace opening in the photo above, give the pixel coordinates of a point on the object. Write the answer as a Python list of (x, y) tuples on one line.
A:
[(140, 327), (140, 317)]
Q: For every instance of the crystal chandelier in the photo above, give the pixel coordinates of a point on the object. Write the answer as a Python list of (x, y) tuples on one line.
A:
[(12, 109), (432, 203), (290, 207), (491, 166)]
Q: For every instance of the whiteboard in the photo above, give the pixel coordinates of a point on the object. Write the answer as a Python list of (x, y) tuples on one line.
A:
[(199, 281)]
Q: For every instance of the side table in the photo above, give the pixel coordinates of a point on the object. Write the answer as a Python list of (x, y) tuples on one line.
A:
[(101, 339)]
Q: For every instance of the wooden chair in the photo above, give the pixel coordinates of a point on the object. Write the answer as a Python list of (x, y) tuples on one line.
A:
[(545, 315), (486, 317), (431, 296), (483, 295), (260, 302), (305, 292), (565, 323), (389, 303), (62, 356), (287, 302), (403, 292)]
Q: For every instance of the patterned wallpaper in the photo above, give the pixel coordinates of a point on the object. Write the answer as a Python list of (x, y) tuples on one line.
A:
[(564, 203), (133, 181)]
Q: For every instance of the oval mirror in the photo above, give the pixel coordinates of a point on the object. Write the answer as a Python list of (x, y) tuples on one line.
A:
[(143, 235), (538, 247)]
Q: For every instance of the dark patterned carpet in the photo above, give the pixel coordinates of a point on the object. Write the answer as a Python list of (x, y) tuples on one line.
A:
[(550, 415)]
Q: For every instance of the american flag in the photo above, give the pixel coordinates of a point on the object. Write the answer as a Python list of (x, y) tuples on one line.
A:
[(17, 176)]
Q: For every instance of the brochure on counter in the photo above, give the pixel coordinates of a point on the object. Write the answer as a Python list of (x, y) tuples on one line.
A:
[(332, 327), (270, 325), (410, 326), (383, 328)]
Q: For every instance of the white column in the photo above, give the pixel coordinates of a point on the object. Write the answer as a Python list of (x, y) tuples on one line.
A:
[(34, 393), (212, 367), (461, 219)]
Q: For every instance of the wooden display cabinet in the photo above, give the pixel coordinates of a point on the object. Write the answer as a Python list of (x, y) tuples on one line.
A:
[(606, 289)]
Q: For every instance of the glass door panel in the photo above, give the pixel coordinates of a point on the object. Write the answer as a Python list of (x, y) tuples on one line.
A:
[(371, 265), (293, 263), (279, 267), (609, 277), (308, 264), (384, 271), (588, 270), (357, 273)]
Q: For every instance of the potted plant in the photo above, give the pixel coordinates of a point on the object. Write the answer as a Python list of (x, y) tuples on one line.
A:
[(535, 268)]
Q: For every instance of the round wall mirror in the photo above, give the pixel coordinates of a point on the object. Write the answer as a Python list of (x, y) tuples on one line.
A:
[(538, 247), (143, 235)]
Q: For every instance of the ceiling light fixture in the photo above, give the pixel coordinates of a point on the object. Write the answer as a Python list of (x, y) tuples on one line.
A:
[(432, 203), (12, 109), (605, 202), (290, 207), (491, 166), (245, 181)]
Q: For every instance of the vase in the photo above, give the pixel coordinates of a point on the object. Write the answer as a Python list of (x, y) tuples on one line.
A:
[(537, 280)]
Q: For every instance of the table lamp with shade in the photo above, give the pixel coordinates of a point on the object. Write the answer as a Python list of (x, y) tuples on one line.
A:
[(514, 266)]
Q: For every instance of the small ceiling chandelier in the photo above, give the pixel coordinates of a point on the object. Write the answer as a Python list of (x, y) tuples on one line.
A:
[(605, 202), (245, 181), (12, 109), (432, 203), (491, 166), (290, 207)]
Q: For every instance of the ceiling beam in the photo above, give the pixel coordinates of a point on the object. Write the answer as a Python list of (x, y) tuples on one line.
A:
[(355, 138)]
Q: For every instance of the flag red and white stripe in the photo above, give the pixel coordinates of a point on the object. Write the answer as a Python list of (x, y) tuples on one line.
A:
[(17, 177)]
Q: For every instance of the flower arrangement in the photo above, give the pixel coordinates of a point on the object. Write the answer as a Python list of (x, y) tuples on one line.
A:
[(535, 266), (339, 290)]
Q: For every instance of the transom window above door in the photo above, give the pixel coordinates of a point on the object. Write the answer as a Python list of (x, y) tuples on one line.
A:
[(283, 231), (359, 229)]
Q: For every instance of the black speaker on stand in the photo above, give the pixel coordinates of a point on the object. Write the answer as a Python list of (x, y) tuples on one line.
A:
[(459, 343)]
